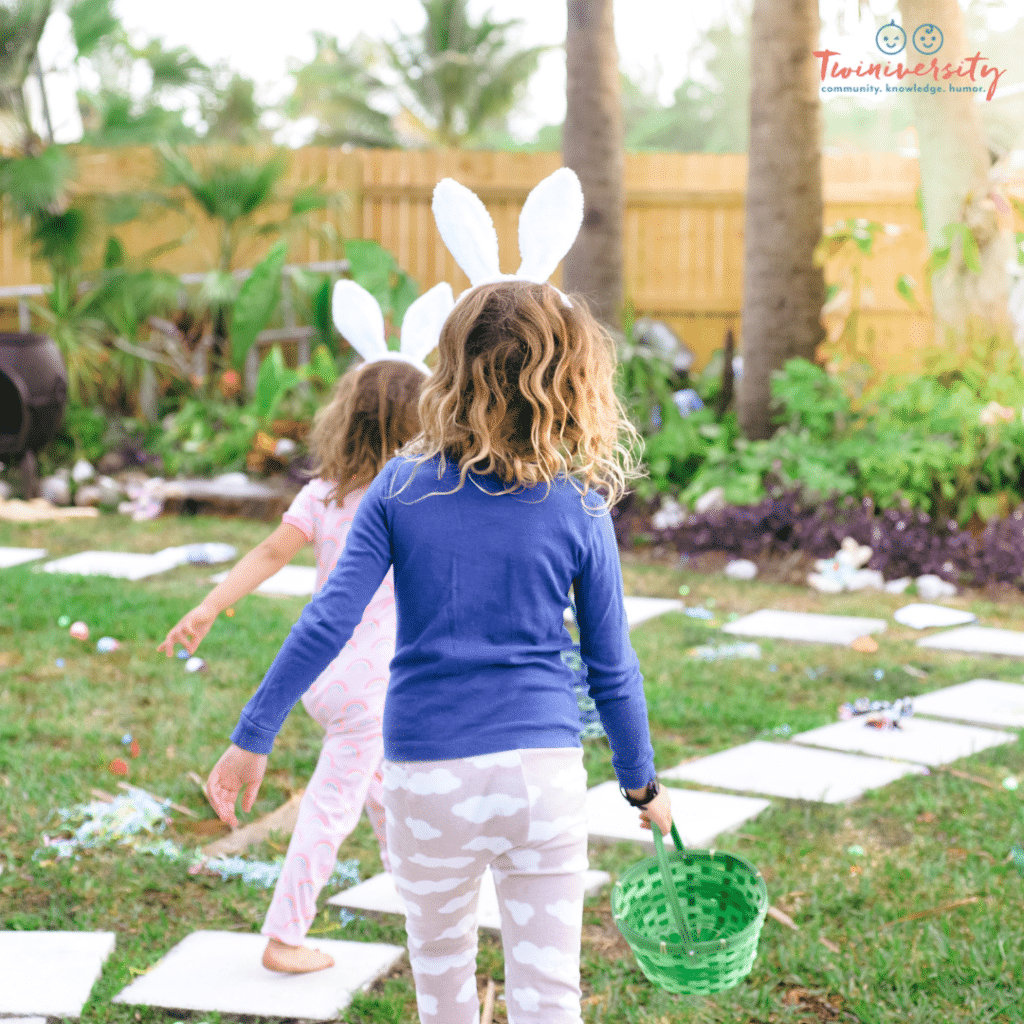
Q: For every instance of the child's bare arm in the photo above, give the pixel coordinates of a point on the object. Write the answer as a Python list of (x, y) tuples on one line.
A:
[(258, 565)]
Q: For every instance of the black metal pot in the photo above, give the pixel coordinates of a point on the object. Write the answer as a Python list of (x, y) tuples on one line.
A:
[(33, 394)]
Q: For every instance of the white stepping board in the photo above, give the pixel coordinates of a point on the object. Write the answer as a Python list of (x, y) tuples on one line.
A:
[(792, 771), (379, 895), (10, 557), (124, 565), (918, 740), (50, 973), (641, 609), (978, 640), (291, 581), (699, 817), (823, 629), (985, 701), (222, 972)]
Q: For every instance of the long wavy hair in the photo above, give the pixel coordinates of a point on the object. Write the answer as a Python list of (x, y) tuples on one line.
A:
[(524, 388), (373, 412)]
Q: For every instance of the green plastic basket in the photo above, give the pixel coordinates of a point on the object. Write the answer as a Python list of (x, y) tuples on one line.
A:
[(692, 917)]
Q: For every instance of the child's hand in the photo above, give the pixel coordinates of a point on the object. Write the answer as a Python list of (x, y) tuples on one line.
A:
[(659, 810), (190, 630), (237, 768)]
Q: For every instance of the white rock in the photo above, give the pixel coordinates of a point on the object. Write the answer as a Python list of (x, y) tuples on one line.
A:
[(898, 586), (710, 501), (82, 471), (825, 584), (866, 579), (932, 588), (741, 569), (55, 490), (669, 516), (88, 495)]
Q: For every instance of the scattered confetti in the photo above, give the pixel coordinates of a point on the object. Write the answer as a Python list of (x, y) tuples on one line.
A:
[(195, 665), (118, 767), (879, 674), (698, 613), (855, 851), (881, 714), (59, 663), (708, 652), (79, 630), (106, 644), (126, 739), (135, 749), (183, 655), (64, 621)]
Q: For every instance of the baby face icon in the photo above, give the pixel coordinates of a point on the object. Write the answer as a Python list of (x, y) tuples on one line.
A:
[(891, 38), (927, 39)]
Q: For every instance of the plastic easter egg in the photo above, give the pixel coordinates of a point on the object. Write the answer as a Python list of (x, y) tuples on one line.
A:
[(118, 767), (79, 630), (195, 665), (64, 621), (106, 644)]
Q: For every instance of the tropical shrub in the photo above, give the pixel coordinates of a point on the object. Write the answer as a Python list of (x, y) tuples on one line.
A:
[(941, 444)]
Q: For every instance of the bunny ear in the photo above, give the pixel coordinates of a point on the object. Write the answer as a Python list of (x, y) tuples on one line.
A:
[(550, 221), (359, 320), (424, 320), (467, 230)]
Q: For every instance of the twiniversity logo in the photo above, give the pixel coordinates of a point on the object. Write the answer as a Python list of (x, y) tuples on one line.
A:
[(927, 39)]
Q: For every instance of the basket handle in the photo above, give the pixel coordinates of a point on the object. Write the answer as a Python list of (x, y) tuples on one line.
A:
[(666, 877)]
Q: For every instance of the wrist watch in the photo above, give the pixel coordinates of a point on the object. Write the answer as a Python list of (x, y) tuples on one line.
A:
[(653, 789)]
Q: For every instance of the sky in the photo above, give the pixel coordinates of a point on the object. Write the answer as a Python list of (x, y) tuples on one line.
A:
[(654, 37)]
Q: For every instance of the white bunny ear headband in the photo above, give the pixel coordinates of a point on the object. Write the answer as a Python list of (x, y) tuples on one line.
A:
[(359, 320), (548, 225)]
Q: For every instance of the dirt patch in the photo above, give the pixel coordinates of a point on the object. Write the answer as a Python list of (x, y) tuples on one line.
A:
[(818, 1008), (603, 939)]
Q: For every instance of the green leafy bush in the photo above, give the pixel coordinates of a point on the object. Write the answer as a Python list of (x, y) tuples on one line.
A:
[(946, 445), (207, 437)]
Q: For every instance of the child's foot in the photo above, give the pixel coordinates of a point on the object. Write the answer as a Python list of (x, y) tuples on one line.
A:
[(294, 959)]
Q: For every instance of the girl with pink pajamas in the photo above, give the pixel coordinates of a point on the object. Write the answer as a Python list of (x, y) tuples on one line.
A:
[(373, 412)]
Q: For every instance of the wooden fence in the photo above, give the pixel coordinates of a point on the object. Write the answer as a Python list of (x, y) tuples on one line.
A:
[(683, 228)]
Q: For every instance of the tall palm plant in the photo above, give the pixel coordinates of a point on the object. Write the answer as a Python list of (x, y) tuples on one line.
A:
[(461, 78), (338, 89), (21, 26)]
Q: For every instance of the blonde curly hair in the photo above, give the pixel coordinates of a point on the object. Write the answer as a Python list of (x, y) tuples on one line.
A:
[(524, 388), (372, 413)]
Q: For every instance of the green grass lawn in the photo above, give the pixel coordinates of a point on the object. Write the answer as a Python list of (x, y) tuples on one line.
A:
[(927, 842)]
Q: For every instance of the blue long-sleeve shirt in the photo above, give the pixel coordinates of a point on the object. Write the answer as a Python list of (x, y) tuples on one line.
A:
[(481, 581)]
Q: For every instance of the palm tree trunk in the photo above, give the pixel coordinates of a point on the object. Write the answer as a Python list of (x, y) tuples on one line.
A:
[(783, 291), (956, 187), (592, 147)]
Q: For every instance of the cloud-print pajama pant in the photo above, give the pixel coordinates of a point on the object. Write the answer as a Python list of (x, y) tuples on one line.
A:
[(522, 813)]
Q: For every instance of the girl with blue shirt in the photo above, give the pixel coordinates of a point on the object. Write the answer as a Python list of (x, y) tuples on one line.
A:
[(488, 518)]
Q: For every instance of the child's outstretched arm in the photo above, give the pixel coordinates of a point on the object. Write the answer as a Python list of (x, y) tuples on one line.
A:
[(258, 565)]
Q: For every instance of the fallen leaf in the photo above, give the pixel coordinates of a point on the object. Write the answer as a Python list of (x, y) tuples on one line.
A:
[(933, 911), (783, 918)]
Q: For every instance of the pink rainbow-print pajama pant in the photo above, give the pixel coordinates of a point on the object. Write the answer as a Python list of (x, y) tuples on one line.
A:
[(522, 813), (347, 700)]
